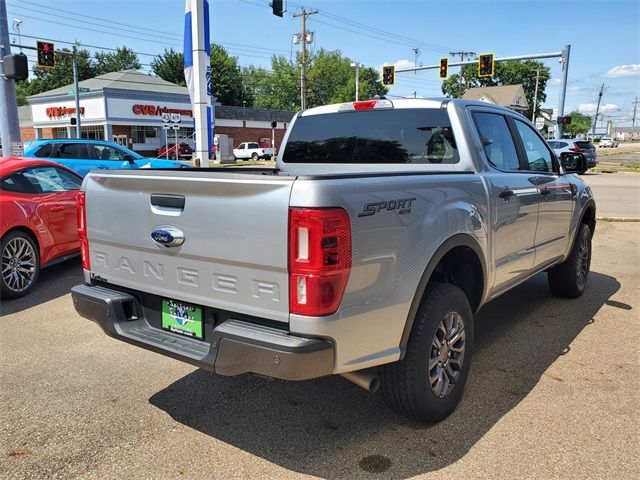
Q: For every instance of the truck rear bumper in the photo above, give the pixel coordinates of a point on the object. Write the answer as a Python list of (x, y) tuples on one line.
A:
[(235, 347)]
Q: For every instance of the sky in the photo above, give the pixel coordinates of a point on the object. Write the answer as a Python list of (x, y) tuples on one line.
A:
[(604, 36)]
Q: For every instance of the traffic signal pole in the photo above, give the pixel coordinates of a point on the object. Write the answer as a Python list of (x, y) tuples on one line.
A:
[(9, 124), (564, 58)]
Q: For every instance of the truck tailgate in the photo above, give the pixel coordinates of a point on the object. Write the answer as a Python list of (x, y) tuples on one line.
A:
[(234, 254)]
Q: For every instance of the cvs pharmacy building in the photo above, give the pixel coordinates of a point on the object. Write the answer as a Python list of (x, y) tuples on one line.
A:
[(126, 107)]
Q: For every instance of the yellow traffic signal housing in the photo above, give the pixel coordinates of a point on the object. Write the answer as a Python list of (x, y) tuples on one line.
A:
[(485, 65), (444, 67), (46, 55), (388, 75)]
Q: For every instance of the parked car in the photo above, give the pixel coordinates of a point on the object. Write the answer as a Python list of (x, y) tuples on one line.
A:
[(38, 222), (252, 150), (578, 146), (182, 150), (383, 228), (608, 142), (83, 155)]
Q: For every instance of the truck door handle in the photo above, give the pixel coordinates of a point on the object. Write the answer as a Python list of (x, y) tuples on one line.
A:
[(56, 208), (167, 200), (545, 192), (505, 193)]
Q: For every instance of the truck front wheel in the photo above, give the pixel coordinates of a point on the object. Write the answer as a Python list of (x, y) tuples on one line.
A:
[(427, 384), (569, 279)]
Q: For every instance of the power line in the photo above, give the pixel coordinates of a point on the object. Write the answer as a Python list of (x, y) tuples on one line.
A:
[(237, 46), (111, 22)]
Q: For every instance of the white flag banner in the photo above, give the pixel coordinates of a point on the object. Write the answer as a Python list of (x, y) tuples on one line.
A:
[(197, 49)]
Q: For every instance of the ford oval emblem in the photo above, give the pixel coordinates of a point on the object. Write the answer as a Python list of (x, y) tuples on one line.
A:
[(167, 236)]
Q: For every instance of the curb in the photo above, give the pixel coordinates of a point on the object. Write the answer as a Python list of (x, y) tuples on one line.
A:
[(618, 219)]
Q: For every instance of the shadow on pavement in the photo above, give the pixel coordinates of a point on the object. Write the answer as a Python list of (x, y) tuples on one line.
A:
[(333, 429), (53, 282)]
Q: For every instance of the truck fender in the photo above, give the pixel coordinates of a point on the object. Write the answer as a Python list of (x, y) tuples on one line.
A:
[(458, 240)]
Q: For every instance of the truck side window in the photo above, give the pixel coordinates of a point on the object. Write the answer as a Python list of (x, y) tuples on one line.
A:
[(496, 140), (538, 155)]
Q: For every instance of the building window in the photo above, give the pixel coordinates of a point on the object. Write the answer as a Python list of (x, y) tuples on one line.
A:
[(140, 134), (60, 132), (93, 132)]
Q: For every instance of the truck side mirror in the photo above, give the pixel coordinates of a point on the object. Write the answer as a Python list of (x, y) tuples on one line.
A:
[(573, 162)]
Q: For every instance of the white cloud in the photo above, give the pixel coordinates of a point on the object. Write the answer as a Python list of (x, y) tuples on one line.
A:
[(632, 70), (554, 81), (404, 63), (591, 107)]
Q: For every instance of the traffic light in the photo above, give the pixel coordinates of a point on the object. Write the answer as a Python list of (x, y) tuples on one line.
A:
[(485, 65), (444, 66), (277, 7), (388, 75), (46, 55)]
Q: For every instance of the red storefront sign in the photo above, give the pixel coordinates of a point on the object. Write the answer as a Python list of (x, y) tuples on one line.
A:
[(62, 111), (156, 111)]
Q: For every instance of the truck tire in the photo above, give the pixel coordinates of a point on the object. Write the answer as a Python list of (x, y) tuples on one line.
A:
[(173, 156), (427, 384), (569, 279), (255, 156), (20, 264)]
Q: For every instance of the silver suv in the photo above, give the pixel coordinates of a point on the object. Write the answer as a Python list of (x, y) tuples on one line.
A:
[(584, 147)]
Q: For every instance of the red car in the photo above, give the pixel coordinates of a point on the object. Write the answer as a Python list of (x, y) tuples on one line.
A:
[(38, 225), (181, 151)]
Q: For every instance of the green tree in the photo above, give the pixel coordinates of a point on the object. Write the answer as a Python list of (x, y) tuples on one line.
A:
[(505, 73), (279, 89), (580, 124), (122, 59), (170, 67), (226, 79), (23, 90)]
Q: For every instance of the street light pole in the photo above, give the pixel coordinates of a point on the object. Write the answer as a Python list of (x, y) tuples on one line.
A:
[(535, 97), (357, 65)]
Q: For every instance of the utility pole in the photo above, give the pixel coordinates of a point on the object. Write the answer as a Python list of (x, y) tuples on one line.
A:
[(9, 125), (76, 89), (593, 130), (633, 120), (416, 52), (462, 55), (303, 70), (535, 96)]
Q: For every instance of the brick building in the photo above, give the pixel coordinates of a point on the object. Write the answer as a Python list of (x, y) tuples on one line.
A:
[(126, 107)]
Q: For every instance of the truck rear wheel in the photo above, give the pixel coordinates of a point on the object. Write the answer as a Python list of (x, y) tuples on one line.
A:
[(427, 384), (569, 279), (255, 156)]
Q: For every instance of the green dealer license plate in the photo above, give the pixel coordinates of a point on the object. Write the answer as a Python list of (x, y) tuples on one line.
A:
[(182, 318)]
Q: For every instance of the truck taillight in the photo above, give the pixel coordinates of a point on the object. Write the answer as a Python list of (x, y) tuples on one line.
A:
[(82, 230), (319, 259)]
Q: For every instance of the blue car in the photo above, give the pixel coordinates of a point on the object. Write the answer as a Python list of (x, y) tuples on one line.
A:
[(83, 156)]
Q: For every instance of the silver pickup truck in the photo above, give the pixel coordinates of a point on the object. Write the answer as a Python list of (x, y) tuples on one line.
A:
[(365, 253)]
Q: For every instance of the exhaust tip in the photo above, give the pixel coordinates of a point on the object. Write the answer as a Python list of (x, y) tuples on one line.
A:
[(364, 380)]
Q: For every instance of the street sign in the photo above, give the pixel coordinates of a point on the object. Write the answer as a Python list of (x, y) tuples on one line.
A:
[(540, 123), (166, 118), (80, 90), (175, 126), (175, 117), (166, 126), (17, 149)]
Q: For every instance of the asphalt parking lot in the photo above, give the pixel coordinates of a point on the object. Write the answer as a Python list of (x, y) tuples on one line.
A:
[(553, 393)]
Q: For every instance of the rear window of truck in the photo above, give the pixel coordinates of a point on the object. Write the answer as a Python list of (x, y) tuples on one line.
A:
[(377, 136)]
